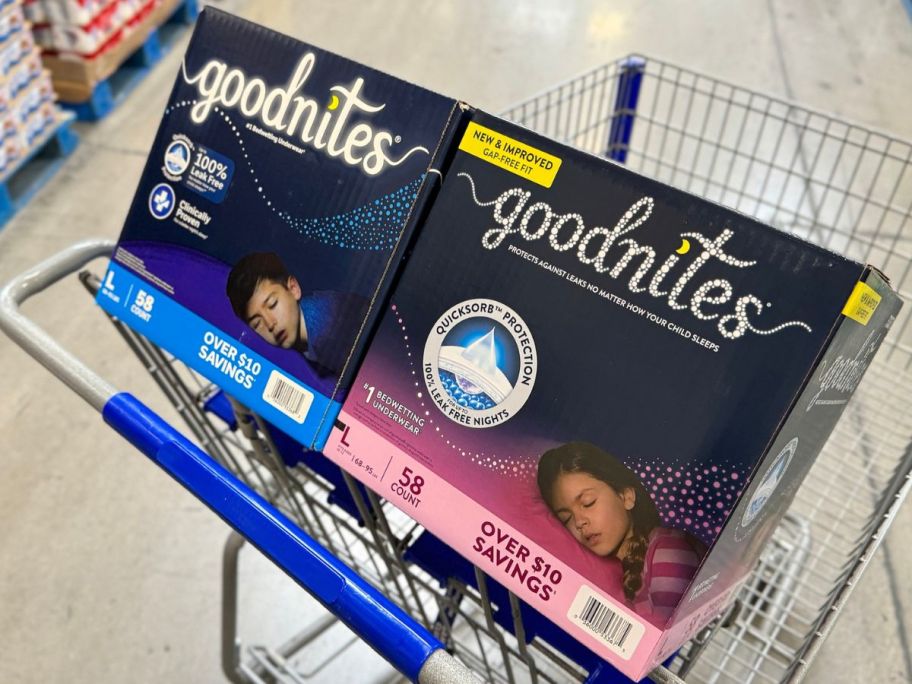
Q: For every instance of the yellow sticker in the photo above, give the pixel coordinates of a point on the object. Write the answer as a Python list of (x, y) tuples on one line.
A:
[(510, 154), (861, 303)]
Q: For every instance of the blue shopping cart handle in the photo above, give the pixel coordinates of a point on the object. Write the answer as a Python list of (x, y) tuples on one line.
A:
[(380, 623), (390, 631)]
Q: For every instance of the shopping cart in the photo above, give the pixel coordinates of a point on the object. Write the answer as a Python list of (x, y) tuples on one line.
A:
[(433, 615)]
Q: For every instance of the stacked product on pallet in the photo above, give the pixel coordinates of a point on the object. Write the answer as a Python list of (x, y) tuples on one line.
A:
[(27, 107), (84, 42)]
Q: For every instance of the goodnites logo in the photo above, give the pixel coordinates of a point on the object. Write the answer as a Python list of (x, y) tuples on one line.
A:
[(617, 254), (286, 110)]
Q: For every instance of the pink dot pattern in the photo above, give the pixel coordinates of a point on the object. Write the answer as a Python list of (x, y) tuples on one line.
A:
[(693, 497)]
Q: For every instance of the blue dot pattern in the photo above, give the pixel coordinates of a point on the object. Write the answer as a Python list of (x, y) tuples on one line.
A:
[(375, 226), (476, 402)]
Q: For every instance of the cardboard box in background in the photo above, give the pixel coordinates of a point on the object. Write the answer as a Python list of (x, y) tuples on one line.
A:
[(75, 76), (680, 364), (269, 146)]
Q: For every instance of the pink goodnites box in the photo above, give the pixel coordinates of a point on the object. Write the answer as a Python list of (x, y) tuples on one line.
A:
[(602, 391)]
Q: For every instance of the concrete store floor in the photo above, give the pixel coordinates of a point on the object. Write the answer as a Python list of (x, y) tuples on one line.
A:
[(109, 572)]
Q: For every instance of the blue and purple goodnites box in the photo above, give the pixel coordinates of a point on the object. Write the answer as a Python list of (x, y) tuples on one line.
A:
[(603, 391), (280, 193)]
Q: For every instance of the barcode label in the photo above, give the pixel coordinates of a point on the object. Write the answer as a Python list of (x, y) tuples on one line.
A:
[(287, 396), (603, 618)]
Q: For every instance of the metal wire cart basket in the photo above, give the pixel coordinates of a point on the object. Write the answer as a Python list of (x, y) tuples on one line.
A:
[(842, 186)]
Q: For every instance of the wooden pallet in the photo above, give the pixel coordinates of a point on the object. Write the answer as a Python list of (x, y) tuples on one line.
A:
[(129, 64), (21, 182)]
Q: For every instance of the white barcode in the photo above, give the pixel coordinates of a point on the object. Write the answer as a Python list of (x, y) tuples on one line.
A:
[(603, 618), (287, 396), (605, 622)]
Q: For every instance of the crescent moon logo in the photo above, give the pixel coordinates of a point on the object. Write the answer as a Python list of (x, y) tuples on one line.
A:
[(685, 246), (333, 102)]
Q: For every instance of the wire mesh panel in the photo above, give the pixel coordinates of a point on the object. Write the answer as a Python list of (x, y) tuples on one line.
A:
[(839, 185)]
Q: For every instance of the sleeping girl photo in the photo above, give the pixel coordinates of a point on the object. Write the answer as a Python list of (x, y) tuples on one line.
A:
[(605, 507)]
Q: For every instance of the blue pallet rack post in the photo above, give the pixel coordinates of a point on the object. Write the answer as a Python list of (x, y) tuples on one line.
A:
[(625, 104)]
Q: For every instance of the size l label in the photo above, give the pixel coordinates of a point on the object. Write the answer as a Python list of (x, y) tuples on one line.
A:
[(510, 154), (862, 303)]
